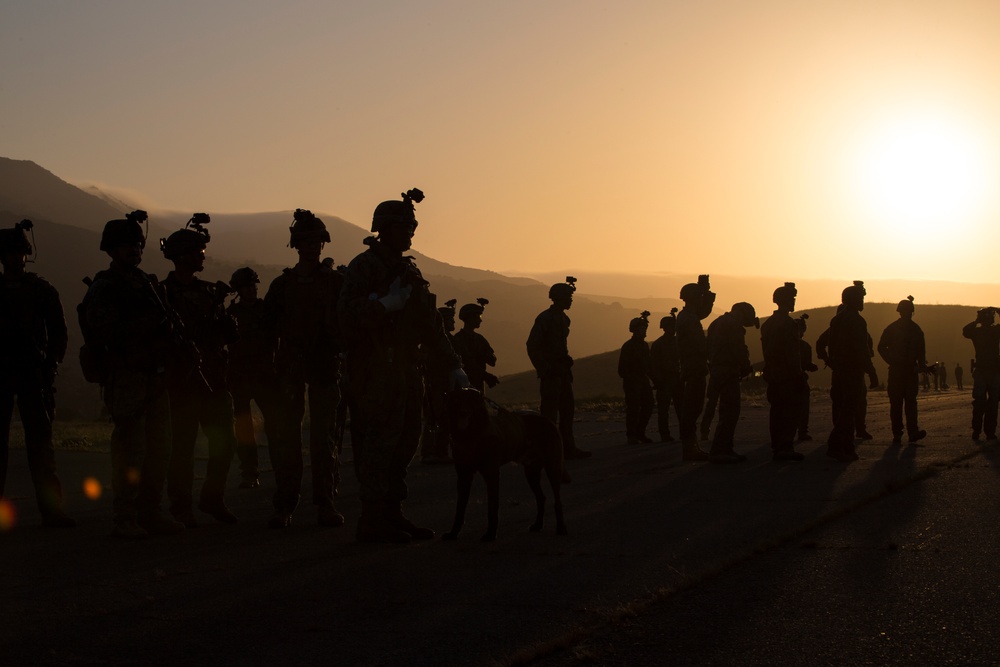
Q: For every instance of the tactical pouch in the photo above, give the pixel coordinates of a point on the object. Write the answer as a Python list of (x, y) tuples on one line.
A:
[(92, 363)]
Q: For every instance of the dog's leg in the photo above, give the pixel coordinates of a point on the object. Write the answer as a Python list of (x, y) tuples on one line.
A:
[(534, 475), (464, 489), (554, 472), (493, 503)]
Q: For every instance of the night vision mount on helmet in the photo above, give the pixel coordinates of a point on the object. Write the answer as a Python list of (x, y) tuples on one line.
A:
[(193, 237), (306, 227), (563, 289), (473, 309), (126, 232), (397, 212)]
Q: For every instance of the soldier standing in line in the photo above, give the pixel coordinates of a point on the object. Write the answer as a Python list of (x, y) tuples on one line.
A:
[(301, 308), (806, 354), (473, 347), (985, 336), (251, 374), (549, 354), (32, 345), (902, 347), (786, 381), (692, 351), (131, 337), (388, 316), (958, 376), (850, 359), (633, 369), (861, 414), (665, 373), (728, 364), (435, 442), (199, 400)]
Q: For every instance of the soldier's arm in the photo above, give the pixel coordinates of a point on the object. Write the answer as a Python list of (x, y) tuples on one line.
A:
[(884, 345), (536, 345), (55, 326)]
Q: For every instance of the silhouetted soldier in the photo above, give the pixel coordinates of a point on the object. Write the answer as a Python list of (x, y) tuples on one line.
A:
[(850, 360), (806, 356), (251, 374), (32, 345), (131, 339), (665, 372), (861, 416), (633, 369), (985, 336), (301, 307), (473, 347), (692, 350), (199, 401), (387, 312), (786, 380), (549, 354), (959, 373), (708, 414), (943, 375), (435, 442), (902, 347), (728, 363)]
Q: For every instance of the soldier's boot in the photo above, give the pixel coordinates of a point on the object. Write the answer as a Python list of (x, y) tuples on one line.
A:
[(374, 525), (692, 452), (329, 517), (394, 512)]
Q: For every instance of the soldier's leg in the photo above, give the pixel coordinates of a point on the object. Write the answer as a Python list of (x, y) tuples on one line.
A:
[(728, 393), (896, 390), (910, 403), (711, 403), (288, 464), (980, 391), (265, 395), (805, 398), (567, 410), (645, 409), (6, 414), (442, 436), (406, 440), (428, 434), (217, 422), (631, 411), (157, 436), (185, 409), (41, 453), (246, 438), (324, 397), (692, 403), (992, 402), (663, 414)]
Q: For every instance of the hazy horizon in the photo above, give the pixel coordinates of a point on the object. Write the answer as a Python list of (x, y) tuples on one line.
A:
[(762, 139)]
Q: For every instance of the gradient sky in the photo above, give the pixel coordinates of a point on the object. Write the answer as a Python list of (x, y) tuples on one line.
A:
[(822, 139)]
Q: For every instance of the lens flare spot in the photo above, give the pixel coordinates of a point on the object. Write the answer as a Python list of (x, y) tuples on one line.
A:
[(8, 515), (92, 488), (132, 475)]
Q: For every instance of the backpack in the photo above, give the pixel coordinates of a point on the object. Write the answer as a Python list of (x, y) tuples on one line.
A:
[(93, 355)]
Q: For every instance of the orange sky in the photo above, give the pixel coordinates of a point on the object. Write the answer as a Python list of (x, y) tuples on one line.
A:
[(822, 139)]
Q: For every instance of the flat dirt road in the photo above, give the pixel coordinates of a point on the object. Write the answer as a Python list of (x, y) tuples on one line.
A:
[(881, 561)]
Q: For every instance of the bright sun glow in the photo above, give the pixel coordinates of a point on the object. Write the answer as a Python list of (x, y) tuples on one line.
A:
[(923, 175)]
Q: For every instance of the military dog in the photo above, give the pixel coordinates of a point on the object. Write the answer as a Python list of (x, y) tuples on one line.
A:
[(482, 442)]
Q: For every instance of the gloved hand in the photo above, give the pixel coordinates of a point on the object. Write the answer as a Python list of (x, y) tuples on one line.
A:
[(397, 296), (458, 379)]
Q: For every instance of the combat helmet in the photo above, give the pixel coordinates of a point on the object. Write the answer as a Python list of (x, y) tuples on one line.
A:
[(395, 211), (669, 321), (192, 238), (854, 294), (243, 277), (448, 309), (125, 232), (306, 227), (905, 305), (15, 240), (639, 323), (801, 321), (745, 314), (473, 309), (785, 292), (561, 290)]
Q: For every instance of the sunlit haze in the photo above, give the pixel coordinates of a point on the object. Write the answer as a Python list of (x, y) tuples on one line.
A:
[(780, 138)]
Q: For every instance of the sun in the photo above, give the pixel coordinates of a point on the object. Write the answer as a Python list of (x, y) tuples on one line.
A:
[(921, 175)]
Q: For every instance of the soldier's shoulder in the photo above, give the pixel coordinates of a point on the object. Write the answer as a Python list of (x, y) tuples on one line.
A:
[(39, 283)]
